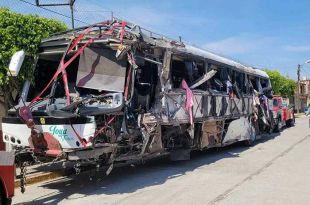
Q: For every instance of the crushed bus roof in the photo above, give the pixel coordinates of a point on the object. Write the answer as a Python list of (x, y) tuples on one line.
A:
[(152, 39)]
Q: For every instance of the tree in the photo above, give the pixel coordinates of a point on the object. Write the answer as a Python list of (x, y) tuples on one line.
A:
[(281, 85), (21, 32)]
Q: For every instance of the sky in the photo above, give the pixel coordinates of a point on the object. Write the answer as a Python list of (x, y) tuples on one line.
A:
[(271, 34)]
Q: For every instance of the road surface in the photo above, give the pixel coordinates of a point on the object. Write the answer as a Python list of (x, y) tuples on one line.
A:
[(275, 171)]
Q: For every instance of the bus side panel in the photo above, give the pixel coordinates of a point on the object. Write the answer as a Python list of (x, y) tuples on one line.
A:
[(211, 134), (198, 106), (234, 133)]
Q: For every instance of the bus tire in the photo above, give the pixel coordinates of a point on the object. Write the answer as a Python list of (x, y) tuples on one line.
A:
[(272, 124), (278, 127), (290, 123)]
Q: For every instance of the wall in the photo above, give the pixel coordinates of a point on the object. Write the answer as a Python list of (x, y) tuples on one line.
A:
[(2, 111), (302, 95)]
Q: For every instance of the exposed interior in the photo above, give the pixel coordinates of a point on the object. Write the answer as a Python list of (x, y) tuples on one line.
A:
[(146, 86), (189, 69)]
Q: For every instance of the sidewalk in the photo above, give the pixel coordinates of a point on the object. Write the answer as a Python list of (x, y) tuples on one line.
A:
[(301, 114), (48, 171)]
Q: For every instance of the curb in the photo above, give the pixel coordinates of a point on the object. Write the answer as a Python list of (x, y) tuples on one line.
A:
[(49, 175), (44, 176)]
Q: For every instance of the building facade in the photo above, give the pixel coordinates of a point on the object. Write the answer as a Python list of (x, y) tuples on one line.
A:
[(302, 95)]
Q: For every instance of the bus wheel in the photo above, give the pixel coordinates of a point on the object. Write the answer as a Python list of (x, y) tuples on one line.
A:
[(272, 126), (290, 123), (278, 127)]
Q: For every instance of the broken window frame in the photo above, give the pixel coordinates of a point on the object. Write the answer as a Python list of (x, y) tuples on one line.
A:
[(187, 59)]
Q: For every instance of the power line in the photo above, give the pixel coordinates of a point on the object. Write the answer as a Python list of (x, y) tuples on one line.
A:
[(116, 13), (305, 71), (86, 11), (113, 13), (55, 12)]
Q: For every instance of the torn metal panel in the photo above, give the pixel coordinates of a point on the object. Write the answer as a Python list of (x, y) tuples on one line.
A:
[(99, 69), (152, 134), (156, 144), (91, 153), (175, 109), (234, 133), (166, 65), (203, 79), (211, 134)]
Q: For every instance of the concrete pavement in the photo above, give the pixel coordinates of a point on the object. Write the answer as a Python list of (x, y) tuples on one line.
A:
[(275, 171)]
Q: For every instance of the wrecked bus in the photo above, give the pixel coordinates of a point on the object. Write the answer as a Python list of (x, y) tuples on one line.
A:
[(114, 92)]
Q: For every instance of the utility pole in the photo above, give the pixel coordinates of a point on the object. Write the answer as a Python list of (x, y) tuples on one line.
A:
[(298, 88), (71, 9), (298, 72), (71, 3)]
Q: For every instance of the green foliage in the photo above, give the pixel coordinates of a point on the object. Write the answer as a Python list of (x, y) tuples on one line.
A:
[(281, 85), (22, 32)]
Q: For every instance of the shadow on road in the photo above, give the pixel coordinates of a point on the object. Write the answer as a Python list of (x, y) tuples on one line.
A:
[(129, 179)]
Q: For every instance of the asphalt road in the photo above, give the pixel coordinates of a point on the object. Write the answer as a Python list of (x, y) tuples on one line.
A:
[(275, 171)]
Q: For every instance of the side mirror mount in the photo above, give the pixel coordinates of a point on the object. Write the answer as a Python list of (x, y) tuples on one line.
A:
[(16, 63)]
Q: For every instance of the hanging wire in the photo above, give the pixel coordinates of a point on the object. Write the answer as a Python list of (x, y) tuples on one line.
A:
[(55, 12)]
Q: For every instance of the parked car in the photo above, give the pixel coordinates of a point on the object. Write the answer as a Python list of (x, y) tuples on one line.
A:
[(282, 114), (7, 176)]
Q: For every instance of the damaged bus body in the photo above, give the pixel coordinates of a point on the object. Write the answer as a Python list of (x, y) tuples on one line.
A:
[(116, 93)]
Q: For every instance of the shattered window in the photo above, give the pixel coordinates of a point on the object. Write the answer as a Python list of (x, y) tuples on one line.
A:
[(264, 83), (220, 79), (253, 81), (71, 76), (145, 86), (189, 70), (216, 82), (240, 81), (44, 71), (275, 102)]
